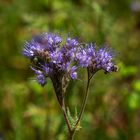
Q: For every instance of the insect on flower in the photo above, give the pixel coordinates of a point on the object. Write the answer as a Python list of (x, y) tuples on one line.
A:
[(115, 68)]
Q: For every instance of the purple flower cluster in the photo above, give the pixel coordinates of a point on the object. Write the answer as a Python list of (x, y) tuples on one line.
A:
[(94, 59), (52, 58)]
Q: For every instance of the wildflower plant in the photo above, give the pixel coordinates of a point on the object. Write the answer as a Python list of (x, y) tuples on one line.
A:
[(50, 58)]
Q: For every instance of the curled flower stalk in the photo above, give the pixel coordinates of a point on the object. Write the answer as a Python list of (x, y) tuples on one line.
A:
[(50, 58)]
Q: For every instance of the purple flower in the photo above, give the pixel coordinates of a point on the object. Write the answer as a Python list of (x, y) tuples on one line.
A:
[(73, 73), (39, 44), (71, 43), (82, 58), (85, 55), (30, 49), (52, 38), (91, 50), (50, 58), (46, 68), (104, 59), (41, 79), (37, 72), (95, 60), (56, 56)]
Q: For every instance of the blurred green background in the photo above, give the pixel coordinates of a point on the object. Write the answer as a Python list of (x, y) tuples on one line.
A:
[(30, 112)]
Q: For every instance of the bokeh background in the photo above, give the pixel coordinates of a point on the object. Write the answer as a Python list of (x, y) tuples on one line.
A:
[(30, 112)]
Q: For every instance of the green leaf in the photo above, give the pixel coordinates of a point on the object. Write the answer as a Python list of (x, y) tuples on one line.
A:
[(69, 116), (134, 101), (73, 119), (136, 85), (126, 71)]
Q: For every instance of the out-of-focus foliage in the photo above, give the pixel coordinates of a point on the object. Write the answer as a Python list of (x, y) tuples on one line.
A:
[(28, 111)]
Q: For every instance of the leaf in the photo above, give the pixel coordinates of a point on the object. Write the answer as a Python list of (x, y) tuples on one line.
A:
[(136, 85), (134, 101), (73, 119), (69, 116)]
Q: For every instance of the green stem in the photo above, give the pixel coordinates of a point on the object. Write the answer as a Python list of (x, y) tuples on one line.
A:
[(71, 135), (63, 108), (71, 131), (65, 116), (84, 100)]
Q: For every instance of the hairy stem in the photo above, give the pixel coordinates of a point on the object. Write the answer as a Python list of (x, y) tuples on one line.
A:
[(71, 135), (84, 100), (61, 101), (63, 107), (71, 131), (65, 116)]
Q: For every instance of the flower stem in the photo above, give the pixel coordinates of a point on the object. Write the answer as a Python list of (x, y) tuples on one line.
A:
[(63, 107), (71, 131), (84, 100), (71, 135)]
